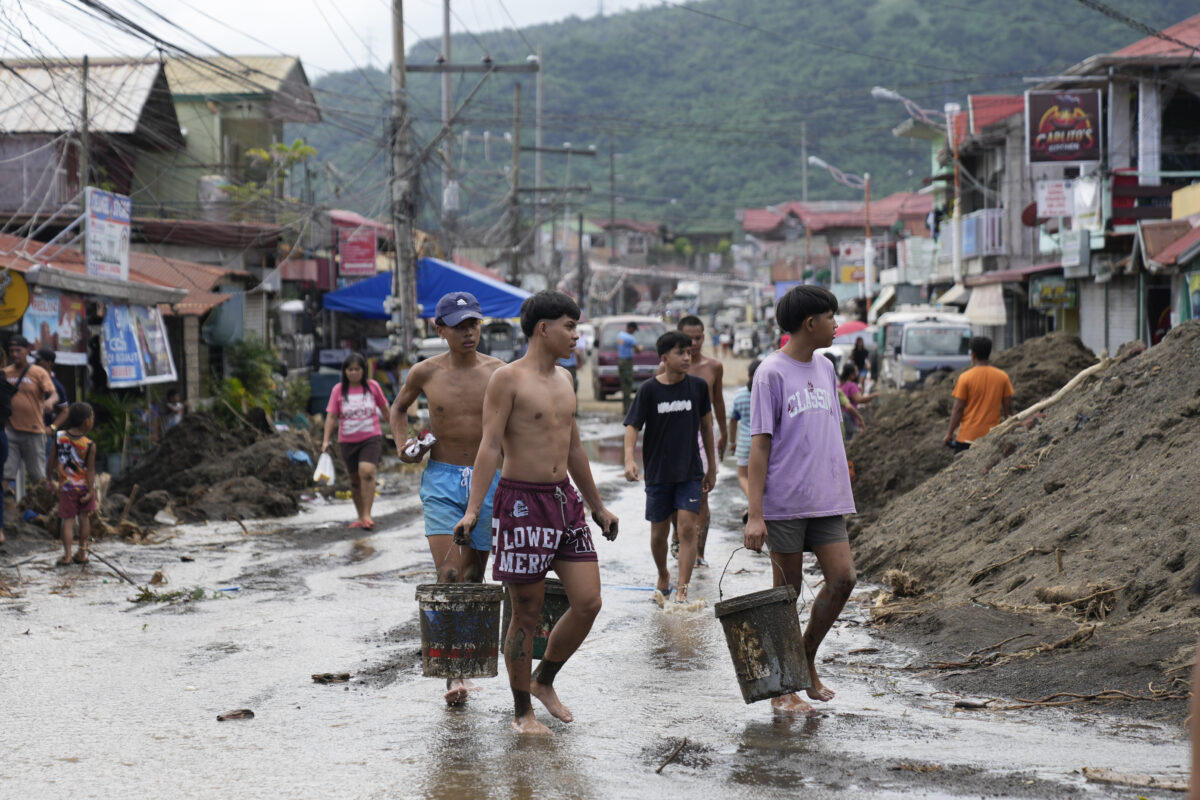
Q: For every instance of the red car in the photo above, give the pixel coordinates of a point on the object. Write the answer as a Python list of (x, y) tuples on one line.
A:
[(605, 380)]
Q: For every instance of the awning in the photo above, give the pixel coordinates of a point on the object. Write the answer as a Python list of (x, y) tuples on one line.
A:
[(137, 293), (986, 306), (884, 301), (434, 279), (956, 295), (1016, 275)]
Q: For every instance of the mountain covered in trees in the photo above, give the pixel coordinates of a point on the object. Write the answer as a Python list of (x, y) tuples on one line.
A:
[(703, 103)]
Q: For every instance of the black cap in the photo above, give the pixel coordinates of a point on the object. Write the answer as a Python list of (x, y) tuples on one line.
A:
[(18, 341), (45, 354)]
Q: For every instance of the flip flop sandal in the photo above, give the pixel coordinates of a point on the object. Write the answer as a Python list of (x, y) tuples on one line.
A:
[(358, 523), (63, 562), (370, 525), (78, 560)]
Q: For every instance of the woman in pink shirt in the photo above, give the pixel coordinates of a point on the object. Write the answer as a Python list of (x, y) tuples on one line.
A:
[(354, 406)]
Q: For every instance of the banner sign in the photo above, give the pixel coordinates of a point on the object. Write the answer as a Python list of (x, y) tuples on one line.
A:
[(107, 234), (134, 347), (1051, 292), (853, 274), (1062, 127), (1055, 199), (57, 321), (356, 246)]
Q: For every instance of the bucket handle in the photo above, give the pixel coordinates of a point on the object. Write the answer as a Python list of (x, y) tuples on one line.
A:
[(770, 555)]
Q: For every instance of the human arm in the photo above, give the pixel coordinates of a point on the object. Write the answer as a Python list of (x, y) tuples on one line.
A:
[(91, 475), (581, 471), (756, 526), (497, 407), (733, 429), (849, 408), (955, 417), (49, 393), (710, 477), (1006, 407), (398, 414), (631, 467), (718, 403), (331, 421), (61, 418)]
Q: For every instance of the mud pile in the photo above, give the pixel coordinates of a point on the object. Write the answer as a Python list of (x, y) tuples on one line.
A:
[(902, 444), (206, 471), (1101, 484)]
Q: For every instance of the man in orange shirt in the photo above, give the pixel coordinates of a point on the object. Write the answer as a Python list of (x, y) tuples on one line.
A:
[(35, 396), (982, 397)]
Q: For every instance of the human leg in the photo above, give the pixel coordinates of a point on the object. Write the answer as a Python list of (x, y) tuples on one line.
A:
[(788, 568), (85, 530), (366, 483), (581, 580), (526, 600), (837, 567), (447, 557), (625, 374), (34, 455), (702, 531), (68, 537), (744, 479), (688, 530), (658, 550)]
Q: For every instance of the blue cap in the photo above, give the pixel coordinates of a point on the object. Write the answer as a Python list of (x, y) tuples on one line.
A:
[(453, 308)]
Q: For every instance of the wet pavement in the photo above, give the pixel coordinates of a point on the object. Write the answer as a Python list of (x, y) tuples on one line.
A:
[(103, 697)]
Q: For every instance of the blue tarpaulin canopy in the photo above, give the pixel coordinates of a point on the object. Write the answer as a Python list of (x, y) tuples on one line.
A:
[(434, 279)]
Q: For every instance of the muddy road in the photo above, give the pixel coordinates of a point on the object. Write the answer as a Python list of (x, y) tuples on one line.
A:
[(104, 697)]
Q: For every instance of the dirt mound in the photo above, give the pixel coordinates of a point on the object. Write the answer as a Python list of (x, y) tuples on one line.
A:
[(210, 472), (902, 445), (1098, 485)]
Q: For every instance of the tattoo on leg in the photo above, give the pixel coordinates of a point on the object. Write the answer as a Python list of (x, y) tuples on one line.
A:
[(546, 670), (521, 704)]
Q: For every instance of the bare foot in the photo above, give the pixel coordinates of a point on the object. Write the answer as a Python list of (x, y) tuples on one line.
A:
[(549, 699), (470, 685), (818, 690), (681, 593), (529, 724), (792, 704), (456, 692)]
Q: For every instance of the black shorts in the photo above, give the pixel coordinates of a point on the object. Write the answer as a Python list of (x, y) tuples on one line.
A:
[(368, 451)]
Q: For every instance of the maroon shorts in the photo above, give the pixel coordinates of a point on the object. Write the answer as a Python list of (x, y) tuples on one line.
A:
[(68, 502), (532, 525)]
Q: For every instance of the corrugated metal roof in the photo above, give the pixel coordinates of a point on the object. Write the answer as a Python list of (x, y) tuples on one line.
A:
[(37, 98), (217, 75), (1187, 31)]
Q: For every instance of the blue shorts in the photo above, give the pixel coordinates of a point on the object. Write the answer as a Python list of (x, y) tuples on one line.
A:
[(445, 489), (663, 499)]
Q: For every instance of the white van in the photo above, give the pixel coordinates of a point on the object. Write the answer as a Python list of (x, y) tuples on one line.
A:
[(913, 343)]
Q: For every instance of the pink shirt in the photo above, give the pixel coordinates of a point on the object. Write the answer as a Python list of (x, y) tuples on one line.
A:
[(357, 420)]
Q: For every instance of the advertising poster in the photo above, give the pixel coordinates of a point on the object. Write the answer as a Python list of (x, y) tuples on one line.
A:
[(356, 246), (107, 240), (56, 321), (1062, 127), (134, 347)]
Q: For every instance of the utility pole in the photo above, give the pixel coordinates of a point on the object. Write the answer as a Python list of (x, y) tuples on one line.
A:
[(582, 268), (448, 142), (83, 154), (514, 202), (612, 199), (403, 279), (803, 161), (537, 159)]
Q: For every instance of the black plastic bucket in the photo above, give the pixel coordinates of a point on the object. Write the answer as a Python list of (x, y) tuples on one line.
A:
[(554, 606), (763, 632), (460, 627)]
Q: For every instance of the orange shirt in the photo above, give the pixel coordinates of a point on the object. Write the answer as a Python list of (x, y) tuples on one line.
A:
[(983, 389), (27, 408)]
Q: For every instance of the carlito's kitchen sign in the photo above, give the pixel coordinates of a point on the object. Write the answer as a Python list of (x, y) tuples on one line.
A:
[(1062, 127)]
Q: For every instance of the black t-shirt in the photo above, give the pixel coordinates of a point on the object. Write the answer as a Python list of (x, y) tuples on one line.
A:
[(671, 415)]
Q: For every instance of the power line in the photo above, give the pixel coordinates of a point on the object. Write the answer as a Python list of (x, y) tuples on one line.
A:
[(1141, 27)]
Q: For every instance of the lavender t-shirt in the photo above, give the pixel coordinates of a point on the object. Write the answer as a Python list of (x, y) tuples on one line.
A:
[(796, 403)]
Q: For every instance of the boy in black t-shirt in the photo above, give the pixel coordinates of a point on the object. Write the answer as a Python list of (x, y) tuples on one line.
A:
[(673, 407)]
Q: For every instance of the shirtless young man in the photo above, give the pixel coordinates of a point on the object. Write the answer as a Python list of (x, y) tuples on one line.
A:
[(538, 523), (712, 372), (454, 384)]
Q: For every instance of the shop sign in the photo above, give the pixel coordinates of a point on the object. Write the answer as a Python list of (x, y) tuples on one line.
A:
[(14, 296), (356, 247), (1062, 127), (107, 234), (1051, 292), (853, 274), (57, 321), (134, 346), (1055, 199)]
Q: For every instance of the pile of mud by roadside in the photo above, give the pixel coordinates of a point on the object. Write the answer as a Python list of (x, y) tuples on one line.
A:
[(902, 444), (202, 470), (1070, 532)]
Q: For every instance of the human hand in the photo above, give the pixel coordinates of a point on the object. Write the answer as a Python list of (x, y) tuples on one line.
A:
[(722, 444), (406, 450), (86, 498), (756, 534), (948, 439), (710, 479), (607, 522), (463, 528), (631, 471)]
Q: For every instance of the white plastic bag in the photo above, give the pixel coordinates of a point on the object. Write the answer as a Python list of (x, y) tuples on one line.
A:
[(324, 471)]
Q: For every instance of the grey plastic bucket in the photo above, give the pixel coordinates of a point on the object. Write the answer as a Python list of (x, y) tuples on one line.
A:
[(553, 607), (763, 632), (460, 629)]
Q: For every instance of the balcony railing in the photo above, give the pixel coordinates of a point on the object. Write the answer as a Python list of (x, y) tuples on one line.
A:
[(983, 233)]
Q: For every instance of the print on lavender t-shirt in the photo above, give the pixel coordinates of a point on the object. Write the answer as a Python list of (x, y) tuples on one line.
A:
[(357, 418), (796, 403)]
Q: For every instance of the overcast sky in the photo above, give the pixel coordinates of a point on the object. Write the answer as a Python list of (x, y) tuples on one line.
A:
[(308, 28)]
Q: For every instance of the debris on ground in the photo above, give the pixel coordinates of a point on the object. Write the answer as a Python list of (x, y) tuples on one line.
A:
[(330, 677), (241, 713)]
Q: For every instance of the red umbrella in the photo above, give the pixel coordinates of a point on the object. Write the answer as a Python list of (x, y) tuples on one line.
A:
[(853, 326)]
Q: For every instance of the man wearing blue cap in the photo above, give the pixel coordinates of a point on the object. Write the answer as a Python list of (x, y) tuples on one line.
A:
[(454, 384)]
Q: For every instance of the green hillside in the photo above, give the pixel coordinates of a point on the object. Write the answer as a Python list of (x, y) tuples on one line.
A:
[(704, 104)]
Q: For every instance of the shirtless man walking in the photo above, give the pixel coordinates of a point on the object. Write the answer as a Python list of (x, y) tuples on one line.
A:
[(712, 372), (453, 383), (538, 523)]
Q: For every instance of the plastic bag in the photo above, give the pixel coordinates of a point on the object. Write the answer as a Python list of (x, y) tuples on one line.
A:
[(324, 471)]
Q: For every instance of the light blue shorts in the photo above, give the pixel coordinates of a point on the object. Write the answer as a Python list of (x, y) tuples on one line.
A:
[(445, 489)]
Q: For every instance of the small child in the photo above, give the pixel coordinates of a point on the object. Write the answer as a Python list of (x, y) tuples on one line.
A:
[(76, 480), (739, 430)]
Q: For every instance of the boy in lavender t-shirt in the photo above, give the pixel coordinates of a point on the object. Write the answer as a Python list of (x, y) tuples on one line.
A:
[(799, 483)]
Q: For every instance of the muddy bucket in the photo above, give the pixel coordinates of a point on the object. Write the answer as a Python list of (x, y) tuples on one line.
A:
[(554, 606), (763, 632), (460, 626)]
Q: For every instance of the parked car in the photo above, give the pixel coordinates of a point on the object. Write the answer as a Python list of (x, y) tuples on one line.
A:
[(605, 379)]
